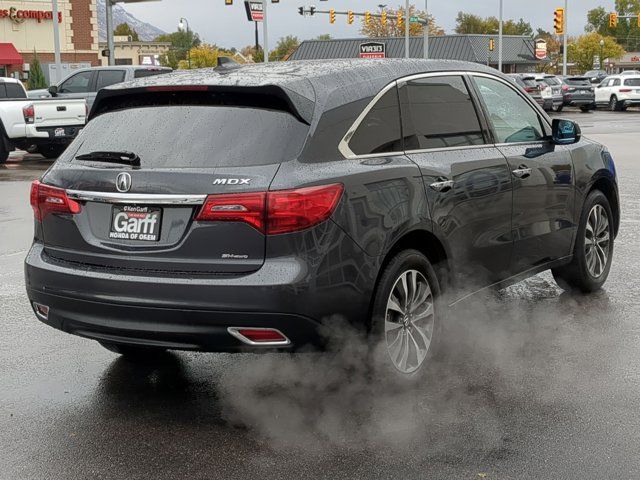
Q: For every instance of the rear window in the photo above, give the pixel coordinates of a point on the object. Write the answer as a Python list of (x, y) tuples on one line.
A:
[(632, 82), (149, 72), (15, 91), (193, 136), (530, 82), (577, 81), (552, 80)]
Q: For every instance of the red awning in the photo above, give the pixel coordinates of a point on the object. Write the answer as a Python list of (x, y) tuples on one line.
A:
[(9, 55)]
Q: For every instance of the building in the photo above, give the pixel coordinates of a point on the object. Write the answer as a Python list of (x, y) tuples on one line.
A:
[(127, 52), (629, 61), (26, 26), (518, 51)]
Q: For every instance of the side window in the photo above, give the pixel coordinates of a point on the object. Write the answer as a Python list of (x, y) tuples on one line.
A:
[(438, 112), (109, 77), (616, 82), (379, 131), (79, 83), (14, 91), (3, 91), (511, 116)]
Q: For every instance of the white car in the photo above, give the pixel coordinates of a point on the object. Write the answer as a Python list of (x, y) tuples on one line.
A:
[(619, 92)]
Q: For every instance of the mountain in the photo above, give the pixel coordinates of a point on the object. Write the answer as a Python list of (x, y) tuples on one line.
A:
[(146, 31)]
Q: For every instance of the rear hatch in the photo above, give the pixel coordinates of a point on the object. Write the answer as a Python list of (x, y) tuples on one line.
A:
[(578, 87), (152, 211)]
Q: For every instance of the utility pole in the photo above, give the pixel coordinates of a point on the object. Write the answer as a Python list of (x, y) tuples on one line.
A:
[(56, 42), (264, 31), (406, 29), (109, 17), (564, 40), (426, 29), (500, 25), (257, 41)]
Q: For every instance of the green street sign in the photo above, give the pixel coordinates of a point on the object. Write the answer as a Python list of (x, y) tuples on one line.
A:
[(415, 19)]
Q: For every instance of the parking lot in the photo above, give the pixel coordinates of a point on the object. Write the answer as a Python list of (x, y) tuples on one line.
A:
[(536, 383)]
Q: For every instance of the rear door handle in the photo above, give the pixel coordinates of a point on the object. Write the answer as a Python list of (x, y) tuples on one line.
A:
[(442, 185), (522, 172)]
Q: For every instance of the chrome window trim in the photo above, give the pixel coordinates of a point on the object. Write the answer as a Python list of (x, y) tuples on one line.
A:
[(136, 198)]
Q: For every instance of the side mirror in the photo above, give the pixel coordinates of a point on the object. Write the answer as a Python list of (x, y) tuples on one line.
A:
[(53, 90), (565, 132)]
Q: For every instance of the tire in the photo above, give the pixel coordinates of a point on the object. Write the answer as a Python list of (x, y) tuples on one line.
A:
[(4, 152), (586, 108), (587, 271), (134, 352), (418, 336), (614, 105), (51, 151), (558, 109)]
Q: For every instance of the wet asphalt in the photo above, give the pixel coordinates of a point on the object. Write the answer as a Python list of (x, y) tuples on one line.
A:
[(534, 383)]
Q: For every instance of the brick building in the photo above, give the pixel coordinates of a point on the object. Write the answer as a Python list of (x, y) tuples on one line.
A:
[(27, 27)]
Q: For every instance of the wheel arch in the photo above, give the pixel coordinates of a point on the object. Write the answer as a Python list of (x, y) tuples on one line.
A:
[(608, 187)]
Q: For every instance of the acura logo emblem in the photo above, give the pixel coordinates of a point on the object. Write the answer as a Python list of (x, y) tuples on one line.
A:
[(123, 182)]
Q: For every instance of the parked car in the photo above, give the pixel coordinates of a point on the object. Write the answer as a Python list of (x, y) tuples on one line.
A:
[(48, 125), (630, 72), (578, 92), (595, 76), (320, 199), (86, 82), (553, 85), (619, 92), (529, 84)]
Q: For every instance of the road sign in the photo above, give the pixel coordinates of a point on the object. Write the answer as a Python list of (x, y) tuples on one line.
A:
[(414, 19), (254, 11), (372, 50)]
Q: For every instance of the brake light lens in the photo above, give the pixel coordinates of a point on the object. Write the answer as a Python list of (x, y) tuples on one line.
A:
[(29, 114), (565, 87), (46, 199), (276, 212), (625, 90)]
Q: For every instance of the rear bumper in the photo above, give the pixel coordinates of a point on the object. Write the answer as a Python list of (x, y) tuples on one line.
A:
[(39, 135), (191, 313)]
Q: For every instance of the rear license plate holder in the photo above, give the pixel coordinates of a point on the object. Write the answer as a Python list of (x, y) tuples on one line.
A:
[(135, 222), (59, 132)]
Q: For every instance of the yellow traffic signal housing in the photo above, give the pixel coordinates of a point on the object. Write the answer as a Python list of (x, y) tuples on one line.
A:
[(558, 21), (383, 18), (228, 2), (367, 18), (349, 17), (400, 20), (332, 15), (492, 44), (613, 20)]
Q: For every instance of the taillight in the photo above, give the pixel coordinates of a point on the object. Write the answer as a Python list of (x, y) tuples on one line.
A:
[(46, 199), (625, 90), (29, 113), (280, 211), (565, 87)]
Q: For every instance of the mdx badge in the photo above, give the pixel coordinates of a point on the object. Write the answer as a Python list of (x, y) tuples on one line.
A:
[(123, 182), (231, 181)]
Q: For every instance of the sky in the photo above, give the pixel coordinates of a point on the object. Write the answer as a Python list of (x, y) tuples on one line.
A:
[(227, 26)]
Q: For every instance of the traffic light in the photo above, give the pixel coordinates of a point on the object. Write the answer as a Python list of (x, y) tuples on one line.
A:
[(332, 15), (312, 9), (613, 20), (349, 17), (558, 21), (301, 10), (228, 2), (399, 20), (367, 18), (383, 18), (492, 44)]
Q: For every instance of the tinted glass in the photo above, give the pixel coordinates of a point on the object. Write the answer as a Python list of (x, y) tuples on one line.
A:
[(149, 72), (632, 82), (168, 136), (578, 81), (439, 113), (79, 83), (512, 117), (552, 80), (530, 82), (109, 77), (379, 131), (15, 91), (616, 82), (3, 91)]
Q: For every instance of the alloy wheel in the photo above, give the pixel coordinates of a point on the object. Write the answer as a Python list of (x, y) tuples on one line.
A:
[(597, 241), (409, 321)]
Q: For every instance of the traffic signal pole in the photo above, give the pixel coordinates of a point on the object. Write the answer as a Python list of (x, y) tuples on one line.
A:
[(500, 27), (265, 47), (564, 40), (406, 29)]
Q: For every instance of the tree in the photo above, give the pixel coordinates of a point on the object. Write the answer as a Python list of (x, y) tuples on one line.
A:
[(124, 29), (36, 75), (467, 23), (205, 55), (181, 42), (284, 48), (585, 48), (375, 29), (627, 33)]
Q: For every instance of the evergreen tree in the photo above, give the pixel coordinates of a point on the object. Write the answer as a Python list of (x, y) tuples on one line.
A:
[(36, 75)]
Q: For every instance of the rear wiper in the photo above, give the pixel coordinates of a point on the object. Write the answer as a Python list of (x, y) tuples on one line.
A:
[(127, 158)]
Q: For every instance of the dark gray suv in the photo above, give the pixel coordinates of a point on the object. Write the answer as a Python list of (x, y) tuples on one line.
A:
[(260, 207)]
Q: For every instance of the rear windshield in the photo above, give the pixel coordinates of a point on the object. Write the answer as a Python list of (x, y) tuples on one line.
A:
[(577, 81), (529, 82), (192, 136), (632, 82), (149, 72), (552, 80)]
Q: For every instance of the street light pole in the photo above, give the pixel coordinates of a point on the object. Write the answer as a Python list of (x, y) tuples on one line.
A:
[(602, 54), (56, 42), (181, 26), (564, 40), (426, 29), (500, 23), (265, 47), (109, 18), (406, 29)]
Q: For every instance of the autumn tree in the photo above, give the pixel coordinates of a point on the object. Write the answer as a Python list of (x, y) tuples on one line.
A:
[(205, 55), (626, 33), (585, 48), (391, 29), (284, 48), (124, 29), (181, 41), (467, 23)]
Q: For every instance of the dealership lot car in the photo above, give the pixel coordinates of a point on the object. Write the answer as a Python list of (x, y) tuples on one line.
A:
[(578, 92), (256, 207), (619, 92)]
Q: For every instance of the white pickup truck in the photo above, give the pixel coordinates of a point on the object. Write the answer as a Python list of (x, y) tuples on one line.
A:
[(48, 125)]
